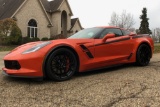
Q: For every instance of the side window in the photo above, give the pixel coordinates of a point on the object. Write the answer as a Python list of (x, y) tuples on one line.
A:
[(126, 32), (105, 32), (116, 31)]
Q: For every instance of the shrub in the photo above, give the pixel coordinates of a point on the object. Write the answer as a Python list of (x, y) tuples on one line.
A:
[(35, 39), (15, 37), (6, 26), (26, 40), (53, 37), (10, 34), (5, 40), (44, 39)]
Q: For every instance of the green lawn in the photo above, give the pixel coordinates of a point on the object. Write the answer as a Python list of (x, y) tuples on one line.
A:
[(156, 44), (157, 48)]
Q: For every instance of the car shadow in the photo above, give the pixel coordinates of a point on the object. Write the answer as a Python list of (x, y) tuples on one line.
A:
[(77, 75), (22, 80), (104, 70)]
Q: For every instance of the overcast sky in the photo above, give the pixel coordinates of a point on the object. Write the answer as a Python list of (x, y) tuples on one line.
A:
[(98, 12)]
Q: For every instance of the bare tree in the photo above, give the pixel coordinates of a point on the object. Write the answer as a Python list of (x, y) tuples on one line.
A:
[(114, 19), (125, 20)]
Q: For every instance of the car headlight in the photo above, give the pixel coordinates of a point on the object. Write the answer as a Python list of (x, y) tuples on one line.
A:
[(37, 47)]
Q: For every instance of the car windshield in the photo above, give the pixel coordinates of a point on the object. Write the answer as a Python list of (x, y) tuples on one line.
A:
[(87, 33)]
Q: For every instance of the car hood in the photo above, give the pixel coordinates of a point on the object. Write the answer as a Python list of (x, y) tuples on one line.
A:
[(26, 46), (54, 43)]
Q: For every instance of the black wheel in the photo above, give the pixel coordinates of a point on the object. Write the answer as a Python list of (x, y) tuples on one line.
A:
[(143, 55), (61, 65)]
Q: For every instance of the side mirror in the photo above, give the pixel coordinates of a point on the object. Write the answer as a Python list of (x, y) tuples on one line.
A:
[(110, 35), (132, 34)]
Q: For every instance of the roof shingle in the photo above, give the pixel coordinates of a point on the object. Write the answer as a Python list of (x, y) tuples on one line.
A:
[(9, 7), (54, 5), (51, 6), (46, 5), (73, 21)]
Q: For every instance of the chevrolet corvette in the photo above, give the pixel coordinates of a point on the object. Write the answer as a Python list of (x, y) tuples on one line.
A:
[(89, 49)]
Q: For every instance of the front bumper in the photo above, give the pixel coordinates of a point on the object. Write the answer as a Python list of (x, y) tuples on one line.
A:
[(16, 76), (30, 65)]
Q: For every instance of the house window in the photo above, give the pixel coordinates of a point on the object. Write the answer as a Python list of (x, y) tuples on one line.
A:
[(32, 28)]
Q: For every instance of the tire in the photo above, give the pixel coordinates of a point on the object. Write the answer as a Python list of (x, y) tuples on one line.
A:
[(143, 55), (61, 64)]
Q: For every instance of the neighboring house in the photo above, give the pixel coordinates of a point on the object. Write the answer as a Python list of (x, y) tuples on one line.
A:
[(156, 34), (75, 26), (41, 18)]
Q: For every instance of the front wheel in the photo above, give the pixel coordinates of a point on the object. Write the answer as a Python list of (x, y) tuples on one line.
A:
[(143, 55), (61, 64)]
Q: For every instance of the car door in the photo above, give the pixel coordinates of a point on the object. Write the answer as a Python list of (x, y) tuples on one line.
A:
[(113, 50)]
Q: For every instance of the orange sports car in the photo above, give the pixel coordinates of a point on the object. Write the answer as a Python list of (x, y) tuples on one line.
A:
[(87, 50)]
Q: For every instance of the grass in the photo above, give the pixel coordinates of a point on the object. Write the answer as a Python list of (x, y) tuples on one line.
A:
[(157, 48), (156, 44), (9, 48)]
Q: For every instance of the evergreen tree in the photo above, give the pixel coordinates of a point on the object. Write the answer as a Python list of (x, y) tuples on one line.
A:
[(144, 27)]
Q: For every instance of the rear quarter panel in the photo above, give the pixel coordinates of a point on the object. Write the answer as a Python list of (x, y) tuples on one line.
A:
[(138, 40)]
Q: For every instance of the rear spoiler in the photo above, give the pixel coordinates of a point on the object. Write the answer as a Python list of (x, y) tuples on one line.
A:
[(141, 35), (144, 34)]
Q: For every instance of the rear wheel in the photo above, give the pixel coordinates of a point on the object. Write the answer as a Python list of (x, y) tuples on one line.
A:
[(143, 55), (61, 64)]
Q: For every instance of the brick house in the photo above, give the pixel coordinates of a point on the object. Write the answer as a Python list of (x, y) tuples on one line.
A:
[(41, 18)]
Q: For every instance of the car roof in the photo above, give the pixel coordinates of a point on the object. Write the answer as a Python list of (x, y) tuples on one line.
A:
[(107, 27), (111, 27)]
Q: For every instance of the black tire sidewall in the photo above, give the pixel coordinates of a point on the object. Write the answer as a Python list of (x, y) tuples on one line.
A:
[(138, 62), (49, 72)]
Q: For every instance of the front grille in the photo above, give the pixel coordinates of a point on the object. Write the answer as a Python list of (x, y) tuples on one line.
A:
[(12, 65)]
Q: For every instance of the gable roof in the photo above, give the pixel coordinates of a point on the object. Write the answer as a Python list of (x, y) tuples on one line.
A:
[(8, 7), (51, 6), (46, 5), (54, 5), (73, 22)]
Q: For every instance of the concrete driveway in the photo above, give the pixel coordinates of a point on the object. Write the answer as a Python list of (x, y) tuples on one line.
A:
[(2, 54), (124, 86)]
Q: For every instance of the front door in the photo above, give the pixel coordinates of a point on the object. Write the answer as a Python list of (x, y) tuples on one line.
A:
[(113, 50)]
